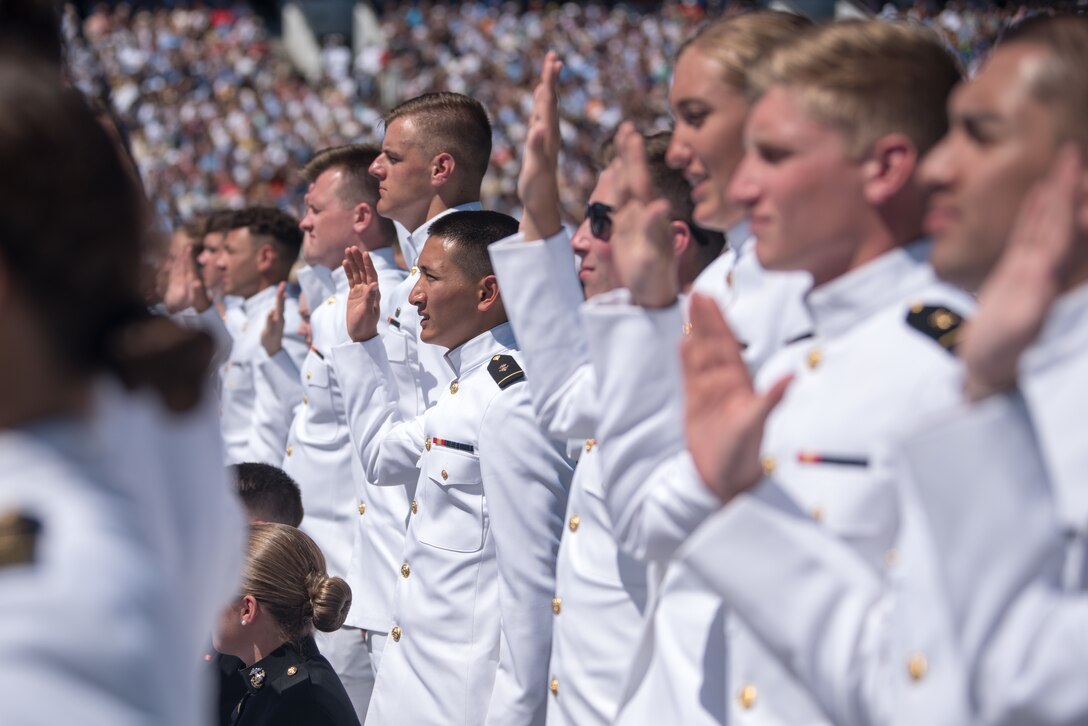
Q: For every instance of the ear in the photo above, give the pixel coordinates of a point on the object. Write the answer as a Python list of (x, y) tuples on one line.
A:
[(682, 239), (442, 168), (266, 257), (488, 291), (888, 168), (250, 608), (362, 217)]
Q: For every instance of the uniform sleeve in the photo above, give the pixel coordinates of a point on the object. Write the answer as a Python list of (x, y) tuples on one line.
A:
[(211, 323), (652, 494), (541, 295), (388, 446), (277, 393), (1024, 639), (525, 480)]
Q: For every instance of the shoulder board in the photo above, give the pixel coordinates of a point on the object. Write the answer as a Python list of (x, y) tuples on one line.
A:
[(18, 538), (937, 322), (505, 370)]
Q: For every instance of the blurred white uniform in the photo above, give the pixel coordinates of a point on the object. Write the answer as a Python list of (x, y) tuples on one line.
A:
[(241, 438), (120, 542), (1014, 541), (600, 592), (472, 608), (824, 446)]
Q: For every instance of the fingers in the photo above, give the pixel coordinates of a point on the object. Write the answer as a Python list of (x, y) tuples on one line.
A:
[(708, 326), (353, 266), (370, 275), (769, 400), (281, 300), (635, 171)]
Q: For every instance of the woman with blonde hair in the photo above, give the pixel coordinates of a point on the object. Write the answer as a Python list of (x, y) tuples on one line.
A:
[(286, 593)]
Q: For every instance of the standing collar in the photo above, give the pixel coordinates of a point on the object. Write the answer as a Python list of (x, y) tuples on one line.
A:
[(418, 237), (317, 283), (842, 303), (480, 349), (260, 300), (739, 236), (274, 665)]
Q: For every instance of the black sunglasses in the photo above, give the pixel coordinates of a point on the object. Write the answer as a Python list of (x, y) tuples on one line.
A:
[(600, 219)]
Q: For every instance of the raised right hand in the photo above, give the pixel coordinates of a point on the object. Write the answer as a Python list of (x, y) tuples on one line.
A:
[(364, 298)]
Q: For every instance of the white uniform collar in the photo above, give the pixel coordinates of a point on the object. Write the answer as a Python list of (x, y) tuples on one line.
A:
[(739, 236), (412, 244), (842, 303), (317, 283), (260, 301), (383, 259), (480, 349)]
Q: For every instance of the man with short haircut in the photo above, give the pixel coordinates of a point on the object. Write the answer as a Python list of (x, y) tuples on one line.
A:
[(268, 494), (434, 156), (256, 257), (215, 230), (472, 607), (829, 182), (348, 518)]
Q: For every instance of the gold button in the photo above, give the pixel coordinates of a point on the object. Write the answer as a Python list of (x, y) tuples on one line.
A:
[(405, 570), (942, 320), (309, 375), (362, 507), (747, 696), (305, 400), (331, 300), (554, 686), (415, 270), (415, 507), (574, 522), (917, 307), (557, 604), (917, 666), (814, 357), (289, 450), (729, 279), (891, 557), (292, 670), (395, 632), (686, 328), (454, 387), (445, 474), (769, 464), (427, 444), (817, 513), (590, 443)]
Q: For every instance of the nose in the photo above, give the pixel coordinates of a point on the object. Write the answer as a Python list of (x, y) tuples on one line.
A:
[(579, 242), (377, 167), (417, 296), (936, 168), (743, 188), (678, 153), (306, 224)]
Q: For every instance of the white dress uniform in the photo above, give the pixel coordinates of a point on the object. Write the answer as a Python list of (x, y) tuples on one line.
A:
[(418, 368), (472, 608), (120, 542), (824, 446), (320, 456), (600, 592), (242, 441), (1015, 541)]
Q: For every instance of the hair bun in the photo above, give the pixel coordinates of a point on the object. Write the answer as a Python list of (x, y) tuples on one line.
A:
[(331, 600)]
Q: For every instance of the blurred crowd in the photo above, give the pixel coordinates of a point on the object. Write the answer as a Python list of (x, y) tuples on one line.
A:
[(218, 116)]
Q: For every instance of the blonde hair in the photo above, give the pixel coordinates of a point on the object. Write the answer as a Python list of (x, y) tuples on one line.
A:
[(867, 79), (737, 42), (285, 572)]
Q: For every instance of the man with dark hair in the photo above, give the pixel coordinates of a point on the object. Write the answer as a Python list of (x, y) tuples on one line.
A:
[(471, 610), (256, 257), (268, 494), (350, 519)]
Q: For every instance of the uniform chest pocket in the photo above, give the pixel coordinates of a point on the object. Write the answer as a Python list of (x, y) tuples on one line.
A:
[(450, 515), (395, 340), (238, 377), (323, 419)]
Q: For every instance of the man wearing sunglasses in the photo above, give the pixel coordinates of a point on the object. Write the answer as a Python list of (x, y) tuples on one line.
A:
[(600, 593)]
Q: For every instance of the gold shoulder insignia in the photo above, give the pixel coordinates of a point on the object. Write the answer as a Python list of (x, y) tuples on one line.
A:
[(505, 370), (937, 322), (18, 538)]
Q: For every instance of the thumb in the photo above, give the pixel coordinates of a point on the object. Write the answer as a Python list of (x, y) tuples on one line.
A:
[(769, 400)]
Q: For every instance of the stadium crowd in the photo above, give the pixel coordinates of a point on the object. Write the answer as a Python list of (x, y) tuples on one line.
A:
[(218, 117)]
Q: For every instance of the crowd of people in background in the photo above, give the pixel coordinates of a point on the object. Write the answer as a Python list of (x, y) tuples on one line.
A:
[(219, 118)]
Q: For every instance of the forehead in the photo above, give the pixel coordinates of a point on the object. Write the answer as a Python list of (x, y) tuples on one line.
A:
[(605, 191), (781, 114), (237, 237), (326, 184), (696, 77), (435, 253), (1004, 84), (402, 131)]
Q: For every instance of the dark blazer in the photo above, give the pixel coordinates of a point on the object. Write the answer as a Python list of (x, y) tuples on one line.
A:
[(293, 685)]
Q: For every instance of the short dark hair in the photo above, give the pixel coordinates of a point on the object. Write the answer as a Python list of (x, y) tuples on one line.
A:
[(354, 161), (268, 493), (470, 233), (219, 220), (277, 225), (450, 122)]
